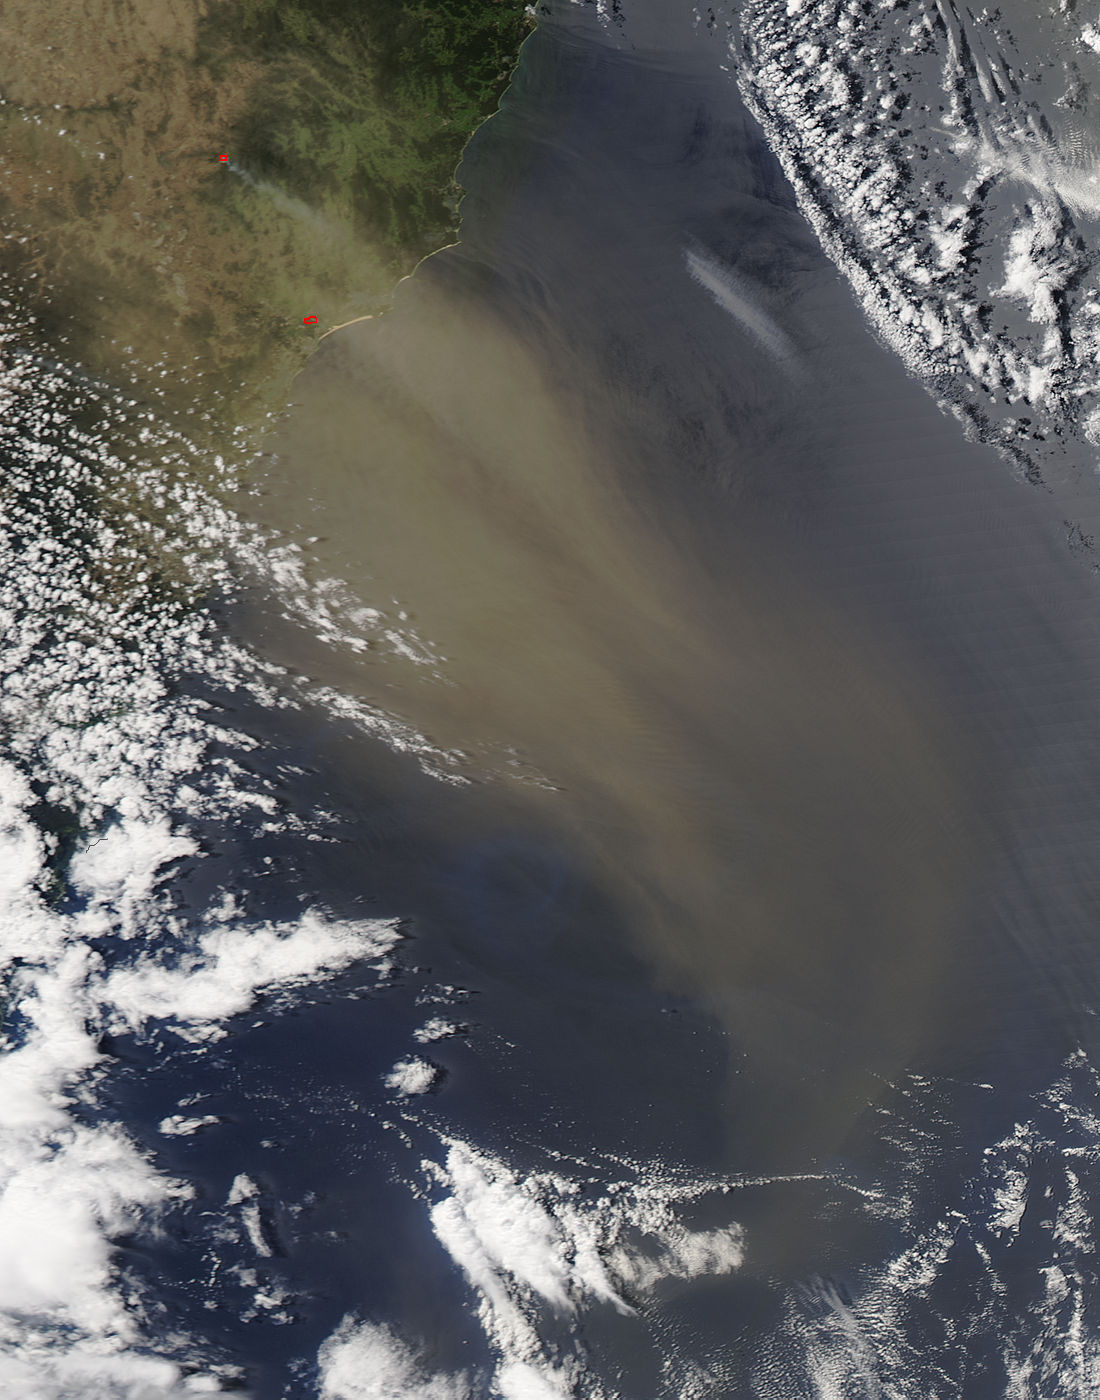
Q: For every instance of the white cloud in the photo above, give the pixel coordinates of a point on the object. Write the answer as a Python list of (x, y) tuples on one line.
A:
[(681, 1253), (362, 1361), (57, 1211), (535, 1247), (122, 865), (436, 1028), (89, 653), (242, 1189), (67, 1327), (21, 847), (1037, 267), (178, 1125), (230, 967), (412, 1076), (517, 1380), (942, 220), (86, 1371), (57, 1045)]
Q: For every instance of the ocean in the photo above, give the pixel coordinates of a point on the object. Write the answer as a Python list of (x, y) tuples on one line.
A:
[(570, 871)]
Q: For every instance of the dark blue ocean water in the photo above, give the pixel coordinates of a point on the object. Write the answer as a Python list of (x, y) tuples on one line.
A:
[(769, 964)]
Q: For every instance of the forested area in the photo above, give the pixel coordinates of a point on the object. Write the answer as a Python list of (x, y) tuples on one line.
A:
[(134, 250), (366, 104)]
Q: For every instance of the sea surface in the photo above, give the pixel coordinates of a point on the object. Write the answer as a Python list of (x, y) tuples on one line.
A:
[(600, 899)]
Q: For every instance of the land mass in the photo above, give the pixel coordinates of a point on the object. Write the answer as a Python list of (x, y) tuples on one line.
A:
[(128, 247)]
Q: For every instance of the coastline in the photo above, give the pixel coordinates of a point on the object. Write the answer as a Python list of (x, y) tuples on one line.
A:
[(133, 250)]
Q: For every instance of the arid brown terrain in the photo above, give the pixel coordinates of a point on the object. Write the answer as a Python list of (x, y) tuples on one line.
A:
[(128, 247)]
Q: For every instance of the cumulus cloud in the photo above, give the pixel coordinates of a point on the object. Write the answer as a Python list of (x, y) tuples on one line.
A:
[(122, 865), (945, 217), (124, 764), (68, 1190), (230, 967), (535, 1247), (681, 1253), (87, 1371), (517, 1380), (57, 1212), (1038, 266), (412, 1076), (364, 1361), (179, 1125), (21, 846), (436, 1028)]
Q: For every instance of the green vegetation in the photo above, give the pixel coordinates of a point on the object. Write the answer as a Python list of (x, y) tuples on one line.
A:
[(365, 105), (133, 252), (131, 257)]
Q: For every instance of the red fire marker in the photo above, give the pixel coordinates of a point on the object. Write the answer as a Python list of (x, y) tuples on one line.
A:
[(309, 320), (223, 158)]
